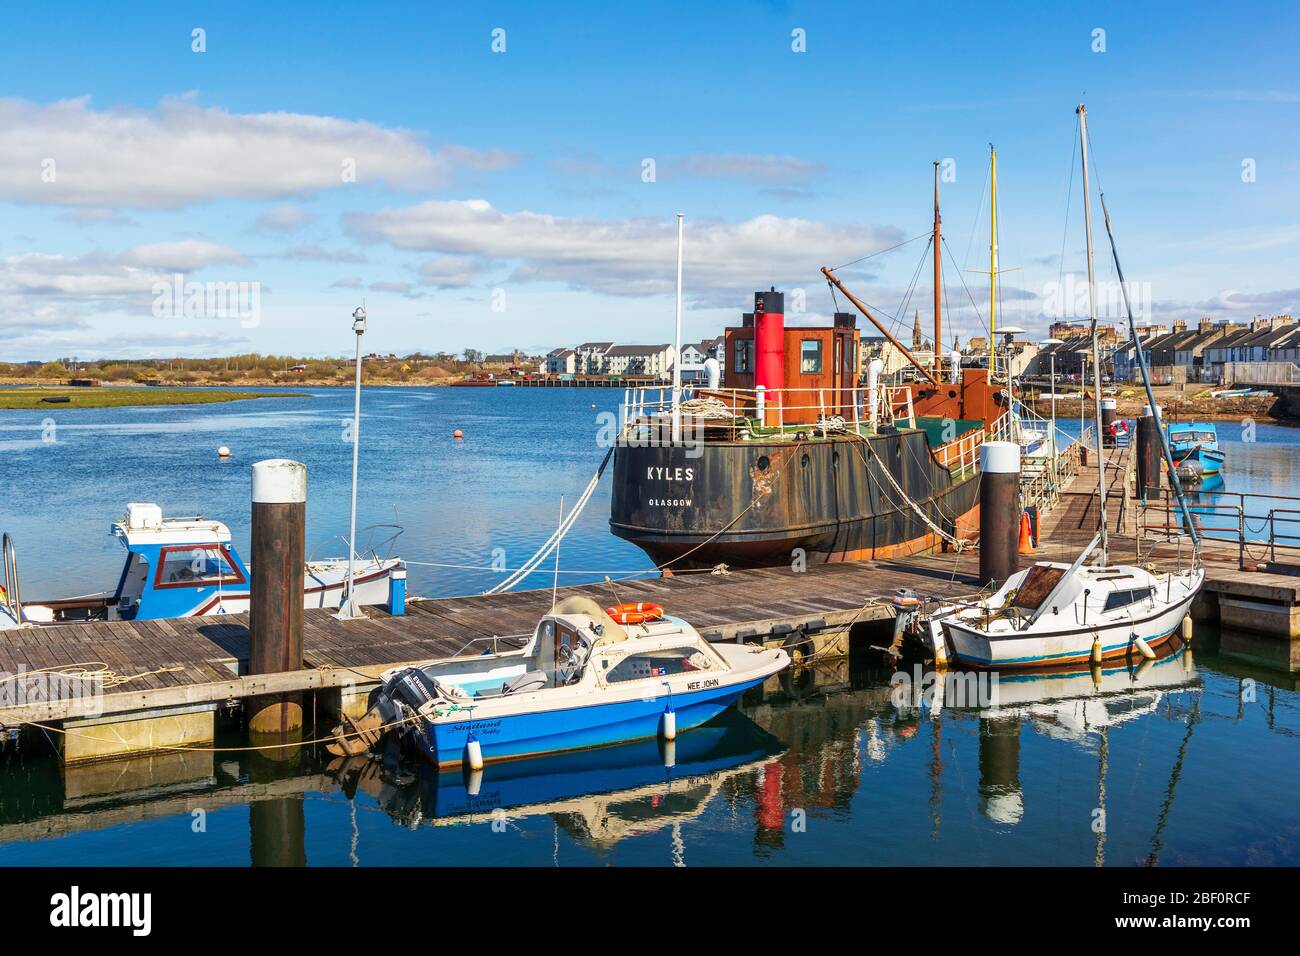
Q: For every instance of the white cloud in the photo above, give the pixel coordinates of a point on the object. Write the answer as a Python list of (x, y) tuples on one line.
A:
[(285, 217), (764, 169), (31, 281), (314, 252), (68, 153), (450, 272), (183, 256), (625, 256), (92, 216)]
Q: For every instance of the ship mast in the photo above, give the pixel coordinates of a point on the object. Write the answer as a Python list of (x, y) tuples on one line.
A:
[(993, 256), (938, 278), (1092, 326)]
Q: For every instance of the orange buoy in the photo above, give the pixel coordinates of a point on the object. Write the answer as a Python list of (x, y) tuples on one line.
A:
[(638, 612), (1026, 539), (458, 434)]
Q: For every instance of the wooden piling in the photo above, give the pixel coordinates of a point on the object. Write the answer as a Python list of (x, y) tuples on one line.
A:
[(276, 606), (999, 511), (1148, 455)]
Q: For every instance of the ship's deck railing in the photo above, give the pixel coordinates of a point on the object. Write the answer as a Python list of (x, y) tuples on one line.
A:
[(768, 412)]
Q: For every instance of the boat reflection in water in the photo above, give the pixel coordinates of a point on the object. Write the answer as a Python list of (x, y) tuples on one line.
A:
[(598, 796), (1077, 706)]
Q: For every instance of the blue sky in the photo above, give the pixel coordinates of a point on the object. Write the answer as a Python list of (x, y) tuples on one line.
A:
[(500, 198)]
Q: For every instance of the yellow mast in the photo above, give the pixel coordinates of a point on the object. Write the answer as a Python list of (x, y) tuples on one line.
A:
[(993, 253)]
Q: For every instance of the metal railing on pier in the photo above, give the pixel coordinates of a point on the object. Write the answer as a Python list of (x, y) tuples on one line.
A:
[(1263, 527), (1261, 373)]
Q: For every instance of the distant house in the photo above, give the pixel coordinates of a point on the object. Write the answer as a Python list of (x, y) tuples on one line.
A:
[(696, 354), (561, 362), (654, 361), (590, 357)]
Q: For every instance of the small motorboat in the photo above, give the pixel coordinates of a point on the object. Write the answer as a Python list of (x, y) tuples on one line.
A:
[(586, 678), (1196, 443), (187, 567), (1054, 614)]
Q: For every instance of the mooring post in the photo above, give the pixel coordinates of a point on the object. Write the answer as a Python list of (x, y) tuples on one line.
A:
[(1108, 406), (999, 511), (276, 607), (1148, 454)]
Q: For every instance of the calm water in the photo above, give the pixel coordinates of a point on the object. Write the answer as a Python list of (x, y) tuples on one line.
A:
[(1192, 759)]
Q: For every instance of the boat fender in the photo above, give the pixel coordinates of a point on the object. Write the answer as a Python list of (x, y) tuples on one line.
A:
[(798, 642), (668, 753), (473, 753), (668, 724), (1187, 628), (1096, 649), (1144, 647), (473, 782)]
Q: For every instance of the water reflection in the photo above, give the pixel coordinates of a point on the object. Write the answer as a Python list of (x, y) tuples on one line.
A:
[(597, 797), (825, 765)]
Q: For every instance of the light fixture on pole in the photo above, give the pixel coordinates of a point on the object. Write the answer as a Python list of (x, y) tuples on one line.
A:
[(348, 609)]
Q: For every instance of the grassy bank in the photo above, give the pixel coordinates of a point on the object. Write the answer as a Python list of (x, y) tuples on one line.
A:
[(40, 398)]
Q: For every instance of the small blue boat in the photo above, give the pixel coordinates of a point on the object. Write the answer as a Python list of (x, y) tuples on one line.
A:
[(1195, 446), (588, 677), (188, 567)]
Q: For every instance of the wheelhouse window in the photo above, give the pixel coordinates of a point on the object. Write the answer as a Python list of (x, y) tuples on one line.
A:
[(1118, 599), (810, 356), (191, 566), (664, 663), (744, 355)]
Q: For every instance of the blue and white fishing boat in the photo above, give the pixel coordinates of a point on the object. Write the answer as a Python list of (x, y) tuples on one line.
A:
[(187, 567), (1196, 448), (583, 680)]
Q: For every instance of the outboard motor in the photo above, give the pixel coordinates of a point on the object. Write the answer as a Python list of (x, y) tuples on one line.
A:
[(404, 694), (906, 606)]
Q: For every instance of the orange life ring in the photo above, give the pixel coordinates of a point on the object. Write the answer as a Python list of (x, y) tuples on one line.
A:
[(636, 613), (1118, 427)]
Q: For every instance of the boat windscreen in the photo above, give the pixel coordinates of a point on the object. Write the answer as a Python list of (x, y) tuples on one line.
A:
[(1037, 586)]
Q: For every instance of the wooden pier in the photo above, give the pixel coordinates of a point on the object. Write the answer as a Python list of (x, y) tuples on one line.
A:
[(108, 689), (179, 673)]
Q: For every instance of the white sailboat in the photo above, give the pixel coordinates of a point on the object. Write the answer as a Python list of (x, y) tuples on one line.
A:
[(1054, 614)]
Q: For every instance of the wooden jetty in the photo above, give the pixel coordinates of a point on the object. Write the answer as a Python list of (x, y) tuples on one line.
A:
[(182, 671), (114, 688)]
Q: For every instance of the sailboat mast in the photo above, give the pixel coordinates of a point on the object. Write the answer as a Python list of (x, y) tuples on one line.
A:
[(1092, 325), (938, 318), (993, 253)]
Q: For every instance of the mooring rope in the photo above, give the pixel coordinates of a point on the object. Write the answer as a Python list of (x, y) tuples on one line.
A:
[(554, 540)]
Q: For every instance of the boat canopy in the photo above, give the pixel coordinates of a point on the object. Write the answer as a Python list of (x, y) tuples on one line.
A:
[(611, 632), (144, 525)]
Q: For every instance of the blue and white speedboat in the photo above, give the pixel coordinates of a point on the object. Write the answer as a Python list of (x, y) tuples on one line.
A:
[(1195, 446), (188, 567), (583, 680)]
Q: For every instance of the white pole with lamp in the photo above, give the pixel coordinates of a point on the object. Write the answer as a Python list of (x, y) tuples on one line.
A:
[(348, 609)]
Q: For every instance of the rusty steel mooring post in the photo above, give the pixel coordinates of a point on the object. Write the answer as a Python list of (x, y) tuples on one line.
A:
[(999, 511), (276, 608)]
